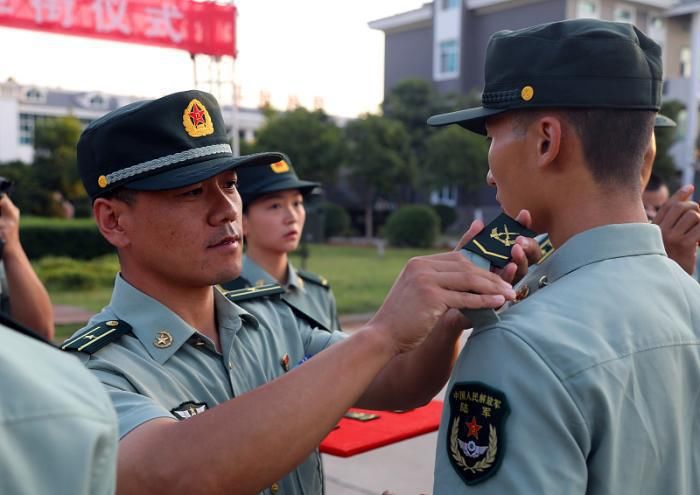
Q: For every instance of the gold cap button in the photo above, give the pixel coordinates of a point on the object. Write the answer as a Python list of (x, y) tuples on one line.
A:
[(527, 93)]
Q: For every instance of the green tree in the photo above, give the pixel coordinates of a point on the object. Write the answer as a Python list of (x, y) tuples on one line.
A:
[(456, 157), (312, 140), (664, 164), (378, 159), (55, 159)]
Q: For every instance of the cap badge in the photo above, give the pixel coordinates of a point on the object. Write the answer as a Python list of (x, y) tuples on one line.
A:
[(280, 167), (197, 120), (102, 181), (527, 93)]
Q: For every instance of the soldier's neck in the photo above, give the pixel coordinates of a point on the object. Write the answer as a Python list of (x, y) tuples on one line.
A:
[(576, 215), (274, 263)]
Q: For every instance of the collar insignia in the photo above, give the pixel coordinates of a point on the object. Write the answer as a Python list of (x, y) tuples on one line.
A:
[(495, 242), (475, 435), (197, 120), (188, 409), (163, 339)]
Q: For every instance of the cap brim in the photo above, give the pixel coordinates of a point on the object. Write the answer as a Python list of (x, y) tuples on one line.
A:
[(200, 171), (304, 186), (663, 121), (472, 119)]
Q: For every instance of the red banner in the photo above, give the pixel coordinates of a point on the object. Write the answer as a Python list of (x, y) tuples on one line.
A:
[(198, 27)]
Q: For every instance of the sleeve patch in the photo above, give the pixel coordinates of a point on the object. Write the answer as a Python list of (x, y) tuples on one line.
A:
[(95, 338), (475, 437), (248, 293)]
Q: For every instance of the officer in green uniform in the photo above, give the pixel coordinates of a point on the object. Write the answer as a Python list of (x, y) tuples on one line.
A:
[(58, 427), (273, 220), (588, 383), (213, 397)]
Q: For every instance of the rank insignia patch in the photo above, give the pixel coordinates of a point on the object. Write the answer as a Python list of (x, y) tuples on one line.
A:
[(497, 239), (197, 120), (475, 435), (188, 409)]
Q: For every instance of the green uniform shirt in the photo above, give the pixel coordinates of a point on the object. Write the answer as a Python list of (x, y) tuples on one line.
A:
[(599, 365), (309, 294), (165, 368), (58, 429)]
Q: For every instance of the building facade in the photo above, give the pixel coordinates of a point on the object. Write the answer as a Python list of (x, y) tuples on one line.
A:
[(22, 105)]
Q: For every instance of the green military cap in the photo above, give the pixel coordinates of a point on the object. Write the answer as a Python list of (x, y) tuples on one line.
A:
[(259, 179), (581, 63), (152, 145), (663, 121)]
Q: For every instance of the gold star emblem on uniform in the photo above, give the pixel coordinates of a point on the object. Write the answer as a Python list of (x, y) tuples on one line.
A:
[(259, 282), (163, 339)]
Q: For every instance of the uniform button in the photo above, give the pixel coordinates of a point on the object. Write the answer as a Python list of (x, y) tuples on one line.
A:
[(522, 293), (230, 365), (275, 488), (543, 282)]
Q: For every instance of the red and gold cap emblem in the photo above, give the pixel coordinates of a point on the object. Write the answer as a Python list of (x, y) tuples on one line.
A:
[(197, 120), (280, 167)]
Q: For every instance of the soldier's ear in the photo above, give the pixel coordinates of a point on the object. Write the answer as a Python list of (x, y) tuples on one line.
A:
[(111, 217), (548, 133)]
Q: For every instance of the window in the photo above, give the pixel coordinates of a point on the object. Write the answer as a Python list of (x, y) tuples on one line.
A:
[(588, 9), (685, 62), (656, 28), (448, 57), (624, 13), (27, 123), (449, 4), (34, 95), (447, 195)]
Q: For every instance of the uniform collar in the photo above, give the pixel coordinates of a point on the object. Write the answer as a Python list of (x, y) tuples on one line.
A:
[(594, 245), (257, 276), (151, 321)]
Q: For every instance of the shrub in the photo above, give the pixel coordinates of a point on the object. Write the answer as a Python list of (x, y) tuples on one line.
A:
[(447, 215), (61, 273), (413, 226), (78, 239), (336, 221)]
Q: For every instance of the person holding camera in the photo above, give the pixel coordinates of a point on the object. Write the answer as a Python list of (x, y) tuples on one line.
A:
[(22, 295)]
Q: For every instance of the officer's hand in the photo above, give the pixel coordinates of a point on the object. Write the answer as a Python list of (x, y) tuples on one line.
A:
[(9, 224), (526, 251), (427, 288), (679, 221)]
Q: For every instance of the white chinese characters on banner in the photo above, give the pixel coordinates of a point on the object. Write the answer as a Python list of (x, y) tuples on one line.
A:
[(110, 16), (53, 11), (160, 22)]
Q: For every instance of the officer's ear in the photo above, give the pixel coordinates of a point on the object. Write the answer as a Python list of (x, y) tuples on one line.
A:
[(111, 217), (548, 135)]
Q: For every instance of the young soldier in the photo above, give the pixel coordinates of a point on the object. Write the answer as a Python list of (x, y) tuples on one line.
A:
[(273, 222), (169, 347), (598, 393)]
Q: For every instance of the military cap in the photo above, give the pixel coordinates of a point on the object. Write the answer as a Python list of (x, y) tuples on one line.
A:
[(581, 63), (663, 121), (258, 179), (152, 145)]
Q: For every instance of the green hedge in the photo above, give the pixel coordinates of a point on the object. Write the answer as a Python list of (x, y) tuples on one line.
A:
[(61, 273), (78, 238), (413, 226)]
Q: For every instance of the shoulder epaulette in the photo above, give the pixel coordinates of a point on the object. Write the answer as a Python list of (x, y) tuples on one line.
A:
[(98, 336), (248, 293), (314, 279), (546, 248), (236, 284)]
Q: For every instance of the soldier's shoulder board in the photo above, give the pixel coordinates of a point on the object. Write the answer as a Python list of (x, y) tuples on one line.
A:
[(314, 279), (249, 293), (97, 336), (239, 283)]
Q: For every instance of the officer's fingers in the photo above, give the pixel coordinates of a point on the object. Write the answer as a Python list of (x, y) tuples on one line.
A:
[(524, 218), (476, 227), (479, 281), (683, 194), (468, 300), (531, 249), (670, 212), (509, 272), (687, 222)]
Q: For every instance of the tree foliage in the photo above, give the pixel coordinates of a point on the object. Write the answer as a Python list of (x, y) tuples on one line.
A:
[(455, 157), (55, 157), (311, 139), (379, 160)]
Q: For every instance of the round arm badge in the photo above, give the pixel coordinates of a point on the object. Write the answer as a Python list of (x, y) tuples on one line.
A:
[(475, 432)]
